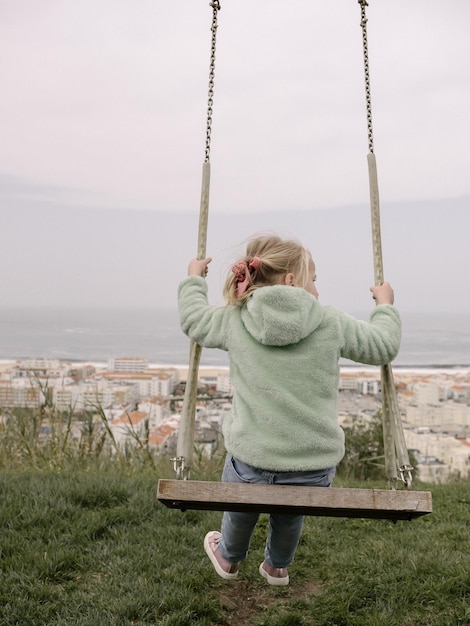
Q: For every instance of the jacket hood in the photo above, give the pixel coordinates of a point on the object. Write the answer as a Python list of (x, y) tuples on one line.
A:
[(281, 315)]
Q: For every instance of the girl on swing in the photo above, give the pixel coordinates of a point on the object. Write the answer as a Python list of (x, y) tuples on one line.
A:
[(284, 348)]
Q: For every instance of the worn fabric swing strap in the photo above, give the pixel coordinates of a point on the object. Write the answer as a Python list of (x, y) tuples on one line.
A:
[(397, 463), (184, 448)]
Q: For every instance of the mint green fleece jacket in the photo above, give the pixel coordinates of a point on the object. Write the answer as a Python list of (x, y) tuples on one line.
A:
[(284, 347)]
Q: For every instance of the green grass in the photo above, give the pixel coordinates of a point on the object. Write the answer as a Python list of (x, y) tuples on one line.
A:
[(92, 546)]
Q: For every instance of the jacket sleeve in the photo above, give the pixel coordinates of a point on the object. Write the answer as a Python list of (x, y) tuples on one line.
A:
[(208, 326), (375, 342)]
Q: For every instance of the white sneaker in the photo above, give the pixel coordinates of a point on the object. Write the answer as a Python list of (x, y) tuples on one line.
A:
[(225, 569), (274, 575)]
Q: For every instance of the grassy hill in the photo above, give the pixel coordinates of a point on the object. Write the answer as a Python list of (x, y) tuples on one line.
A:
[(92, 546)]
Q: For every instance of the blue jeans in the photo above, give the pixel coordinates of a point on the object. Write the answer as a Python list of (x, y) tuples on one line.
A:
[(284, 529)]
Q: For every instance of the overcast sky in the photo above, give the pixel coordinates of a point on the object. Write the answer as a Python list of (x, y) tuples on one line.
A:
[(103, 107)]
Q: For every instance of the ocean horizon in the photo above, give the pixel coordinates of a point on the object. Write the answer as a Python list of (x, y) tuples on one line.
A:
[(429, 340)]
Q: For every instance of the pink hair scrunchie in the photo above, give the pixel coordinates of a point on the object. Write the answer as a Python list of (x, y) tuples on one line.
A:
[(242, 271)]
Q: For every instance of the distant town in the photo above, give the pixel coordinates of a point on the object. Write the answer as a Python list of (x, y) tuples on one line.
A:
[(142, 400)]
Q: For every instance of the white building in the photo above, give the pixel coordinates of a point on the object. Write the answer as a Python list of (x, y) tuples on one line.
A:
[(450, 456), (129, 426), (20, 393), (426, 393), (66, 398), (165, 433), (164, 382), (450, 417), (157, 408), (365, 385), (127, 364), (424, 416), (152, 382), (29, 368), (224, 383), (369, 387), (347, 383), (95, 393)]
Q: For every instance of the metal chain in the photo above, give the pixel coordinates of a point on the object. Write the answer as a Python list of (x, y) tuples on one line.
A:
[(184, 448), (215, 8), (396, 453), (365, 47)]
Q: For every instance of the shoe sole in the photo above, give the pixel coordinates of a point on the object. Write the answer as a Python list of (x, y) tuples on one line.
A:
[(222, 573), (272, 580)]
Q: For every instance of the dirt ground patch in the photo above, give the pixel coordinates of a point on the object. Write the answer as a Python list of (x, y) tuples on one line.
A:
[(242, 602)]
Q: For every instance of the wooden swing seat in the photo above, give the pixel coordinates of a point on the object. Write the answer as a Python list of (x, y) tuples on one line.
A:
[(314, 501)]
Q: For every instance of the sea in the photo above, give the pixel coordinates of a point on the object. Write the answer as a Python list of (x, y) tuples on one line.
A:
[(96, 335)]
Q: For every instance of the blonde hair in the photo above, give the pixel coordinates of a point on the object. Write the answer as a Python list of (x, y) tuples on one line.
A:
[(278, 257)]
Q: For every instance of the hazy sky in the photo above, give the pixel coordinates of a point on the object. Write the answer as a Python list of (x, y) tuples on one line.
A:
[(103, 107)]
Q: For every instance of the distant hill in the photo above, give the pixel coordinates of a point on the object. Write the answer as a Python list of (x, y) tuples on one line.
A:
[(52, 251)]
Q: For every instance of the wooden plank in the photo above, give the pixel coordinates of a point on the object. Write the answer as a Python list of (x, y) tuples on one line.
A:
[(320, 501)]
